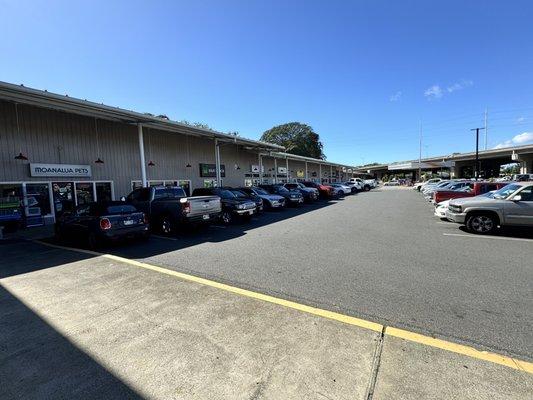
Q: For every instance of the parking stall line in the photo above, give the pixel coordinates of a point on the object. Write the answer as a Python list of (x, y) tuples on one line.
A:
[(387, 330), (473, 236)]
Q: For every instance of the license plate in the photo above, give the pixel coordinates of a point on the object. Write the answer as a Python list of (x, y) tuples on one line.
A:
[(205, 216), (129, 222)]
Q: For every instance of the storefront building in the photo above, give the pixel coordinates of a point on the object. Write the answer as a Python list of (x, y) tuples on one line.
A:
[(57, 152)]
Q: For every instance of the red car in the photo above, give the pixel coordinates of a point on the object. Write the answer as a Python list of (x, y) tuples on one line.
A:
[(477, 188), (325, 191)]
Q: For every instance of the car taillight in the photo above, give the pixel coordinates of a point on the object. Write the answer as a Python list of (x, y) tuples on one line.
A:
[(105, 224), (186, 207)]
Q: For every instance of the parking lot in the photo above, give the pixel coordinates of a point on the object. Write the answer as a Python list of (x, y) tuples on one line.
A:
[(380, 256)]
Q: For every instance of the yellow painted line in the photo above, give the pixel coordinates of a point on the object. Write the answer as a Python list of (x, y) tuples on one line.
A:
[(460, 349), (390, 331)]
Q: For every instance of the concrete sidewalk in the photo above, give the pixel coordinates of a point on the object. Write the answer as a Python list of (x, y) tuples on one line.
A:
[(75, 325)]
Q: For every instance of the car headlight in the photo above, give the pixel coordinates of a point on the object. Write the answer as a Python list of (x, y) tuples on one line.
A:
[(293, 196), (240, 206)]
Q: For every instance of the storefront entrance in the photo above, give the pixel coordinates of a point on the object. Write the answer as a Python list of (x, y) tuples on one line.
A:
[(30, 204)]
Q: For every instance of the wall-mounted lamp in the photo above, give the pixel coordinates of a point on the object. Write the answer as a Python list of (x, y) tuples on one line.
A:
[(151, 163), (21, 156), (99, 161)]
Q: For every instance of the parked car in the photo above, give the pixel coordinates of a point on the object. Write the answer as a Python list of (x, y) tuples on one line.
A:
[(310, 194), (292, 197), (452, 186), (233, 207), (270, 201), (324, 191), (366, 184), (249, 196), (432, 187), (102, 222), (420, 185), (356, 186), (442, 207), (523, 177), (343, 189), (168, 208), (512, 205), (469, 189), (392, 183)]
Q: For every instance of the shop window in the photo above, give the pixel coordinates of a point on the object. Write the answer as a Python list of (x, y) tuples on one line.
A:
[(38, 196), (104, 192), (10, 205), (84, 192)]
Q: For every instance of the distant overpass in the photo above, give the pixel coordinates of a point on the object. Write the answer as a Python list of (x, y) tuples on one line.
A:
[(460, 165)]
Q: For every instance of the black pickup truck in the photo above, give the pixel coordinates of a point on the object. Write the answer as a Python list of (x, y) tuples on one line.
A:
[(169, 207), (233, 207)]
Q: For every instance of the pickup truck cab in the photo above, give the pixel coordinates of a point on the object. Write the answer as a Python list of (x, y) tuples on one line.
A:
[(469, 189), (232, 206), (169, 207), (512, 205)]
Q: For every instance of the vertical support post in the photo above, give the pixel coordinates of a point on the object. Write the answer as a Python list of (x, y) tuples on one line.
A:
[(275, 170), (260, 169), (306, 177), (217, 163), (287, 167), (141, 154), (320, 173), (477, 154), (330, 173)]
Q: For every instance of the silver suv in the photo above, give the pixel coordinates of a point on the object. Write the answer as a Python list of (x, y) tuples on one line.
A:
[(511, 205)]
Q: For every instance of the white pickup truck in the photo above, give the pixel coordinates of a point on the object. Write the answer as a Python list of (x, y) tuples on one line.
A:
[(364, 184)]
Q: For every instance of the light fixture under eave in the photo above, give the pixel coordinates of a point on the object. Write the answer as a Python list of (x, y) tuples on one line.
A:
[(99, 161), (188, 165), (21, 157), (151, 164)]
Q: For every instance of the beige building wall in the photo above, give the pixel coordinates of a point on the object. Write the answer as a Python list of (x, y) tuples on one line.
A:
[(54, 137)]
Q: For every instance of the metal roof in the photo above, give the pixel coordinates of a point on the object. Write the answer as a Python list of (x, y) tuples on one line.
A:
[(42, 98), (290, 156)]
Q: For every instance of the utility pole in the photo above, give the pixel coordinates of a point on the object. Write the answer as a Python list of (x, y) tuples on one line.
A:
[(420, 150), (486, 128), (477, 151)]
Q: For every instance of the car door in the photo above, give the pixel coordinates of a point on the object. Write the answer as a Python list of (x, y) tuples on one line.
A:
[(519, 208)]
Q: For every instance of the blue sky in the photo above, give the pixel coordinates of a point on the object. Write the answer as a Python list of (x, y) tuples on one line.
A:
[(361, 73)]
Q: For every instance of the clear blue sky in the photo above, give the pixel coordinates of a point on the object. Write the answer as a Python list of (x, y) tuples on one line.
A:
[(361, 73)]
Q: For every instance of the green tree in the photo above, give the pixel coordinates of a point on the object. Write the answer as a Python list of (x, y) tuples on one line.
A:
[(297, 138)]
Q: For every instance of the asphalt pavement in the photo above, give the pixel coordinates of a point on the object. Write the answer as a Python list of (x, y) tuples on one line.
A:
[(381, 256)]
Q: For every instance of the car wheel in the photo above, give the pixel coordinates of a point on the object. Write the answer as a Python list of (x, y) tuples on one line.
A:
[(166, 225), (481, 224), (367, 188), (226, 217)]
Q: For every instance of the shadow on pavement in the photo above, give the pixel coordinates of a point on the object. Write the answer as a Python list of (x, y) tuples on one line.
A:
[(515, 232), (214, 234), (37, 362)]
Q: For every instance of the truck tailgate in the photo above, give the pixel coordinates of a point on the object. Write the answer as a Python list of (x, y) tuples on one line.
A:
[(204, 205)]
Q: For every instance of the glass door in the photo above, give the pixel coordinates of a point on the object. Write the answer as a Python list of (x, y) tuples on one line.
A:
[(63, 193)]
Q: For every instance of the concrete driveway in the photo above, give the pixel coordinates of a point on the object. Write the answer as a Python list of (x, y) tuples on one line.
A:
[(82, 325)]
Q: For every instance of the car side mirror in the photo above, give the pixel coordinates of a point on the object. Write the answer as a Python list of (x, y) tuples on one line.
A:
[(517, 198)]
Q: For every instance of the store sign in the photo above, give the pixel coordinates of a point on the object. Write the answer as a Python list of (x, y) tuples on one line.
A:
[(60, 170), (282, 170), (210, 170)]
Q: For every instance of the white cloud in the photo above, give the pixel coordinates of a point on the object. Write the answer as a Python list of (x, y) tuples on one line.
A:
[(459, 86), (519, 120), (434, 92), (522, 138), (396, 96)]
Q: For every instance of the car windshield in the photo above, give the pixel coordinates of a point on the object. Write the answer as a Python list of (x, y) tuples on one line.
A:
[(226, 194), (261, 191), (120, 209), (505, 191), (238, 193), (281, 189)]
